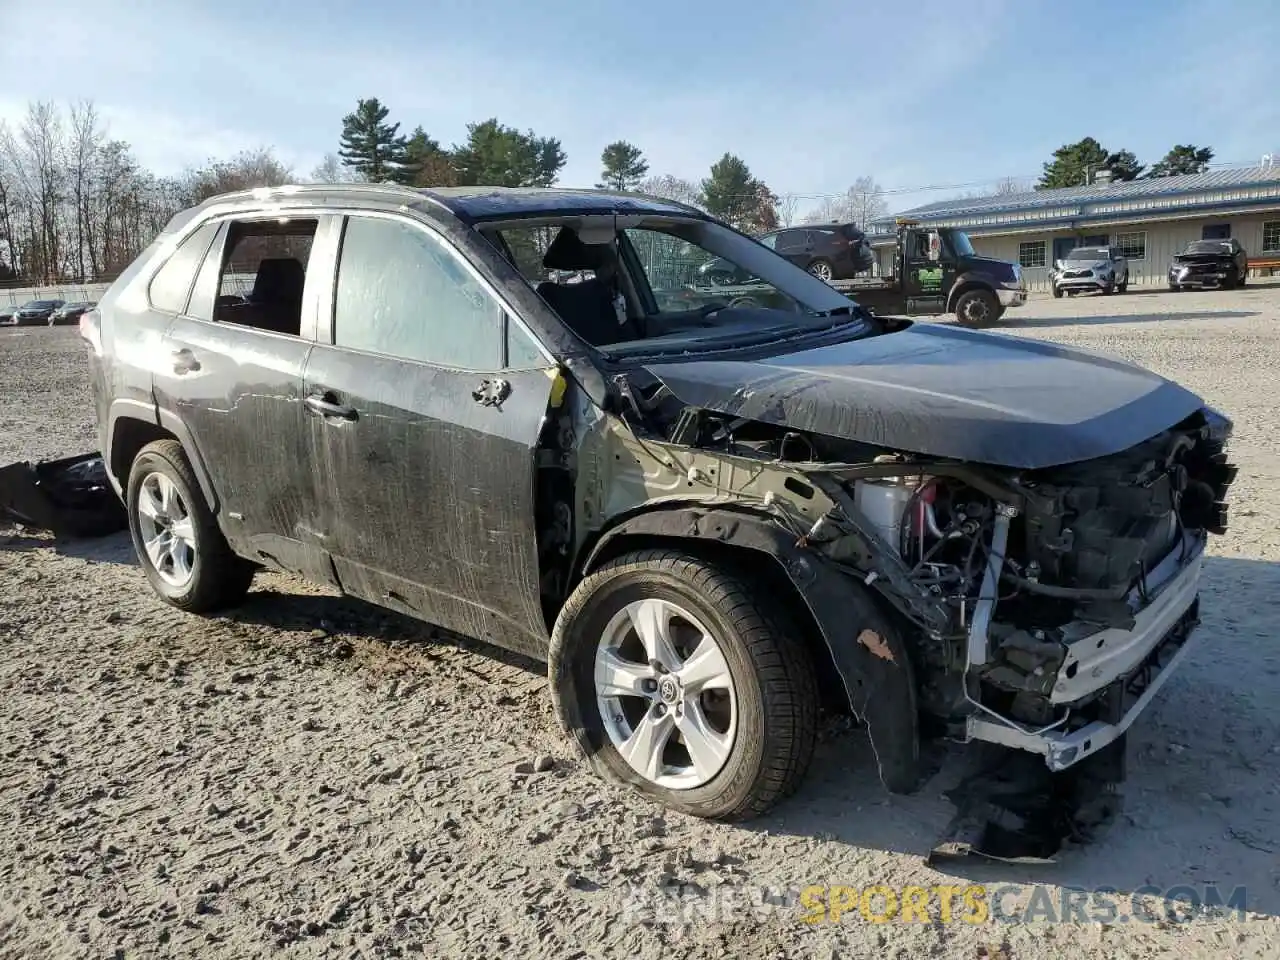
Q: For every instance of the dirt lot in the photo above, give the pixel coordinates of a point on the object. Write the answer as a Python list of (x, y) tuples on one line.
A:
[(314, 777)]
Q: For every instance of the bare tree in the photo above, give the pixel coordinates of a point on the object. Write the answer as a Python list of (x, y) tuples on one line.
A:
[(34, 158), (828, 210), (82, 158), (668, 187), (247, 169), (1007, 186), (332, 170), (865, 202), (786, 208)]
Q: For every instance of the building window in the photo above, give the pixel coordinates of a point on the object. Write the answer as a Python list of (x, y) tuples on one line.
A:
[(1031, 254), (1132, 245), (1271, 236)]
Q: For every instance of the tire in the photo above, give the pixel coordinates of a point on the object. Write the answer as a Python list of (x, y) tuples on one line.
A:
[(209, 575), (1057, 292), (977, 308), (1244, 277), (1108, 290), (822, 269), (766, 747), (1123, 287)]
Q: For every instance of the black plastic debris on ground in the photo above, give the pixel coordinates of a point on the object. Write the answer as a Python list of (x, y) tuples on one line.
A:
[(1015, 810), (72, 497)]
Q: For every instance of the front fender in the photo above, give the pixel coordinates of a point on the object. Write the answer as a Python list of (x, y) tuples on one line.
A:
[(970, 280), (866, 648)]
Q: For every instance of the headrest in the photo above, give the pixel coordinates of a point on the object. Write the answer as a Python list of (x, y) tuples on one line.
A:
[(568, 252)]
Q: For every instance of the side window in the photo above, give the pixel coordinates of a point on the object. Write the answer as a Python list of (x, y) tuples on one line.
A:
[(403, 293), (171, 286), (522, 351), (263, 274), (770, 240)]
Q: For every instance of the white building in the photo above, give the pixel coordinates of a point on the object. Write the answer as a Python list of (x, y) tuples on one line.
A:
[(1150, 220)]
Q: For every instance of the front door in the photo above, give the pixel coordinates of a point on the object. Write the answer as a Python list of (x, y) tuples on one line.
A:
[(424, 413), (233, 380), (924, 282)]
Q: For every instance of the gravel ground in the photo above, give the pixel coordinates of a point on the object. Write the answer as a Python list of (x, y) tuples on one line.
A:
[(311, 776)]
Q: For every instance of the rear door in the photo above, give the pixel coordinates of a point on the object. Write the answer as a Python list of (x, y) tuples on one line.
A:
[(232, 380), (794, 245), (424, 411)]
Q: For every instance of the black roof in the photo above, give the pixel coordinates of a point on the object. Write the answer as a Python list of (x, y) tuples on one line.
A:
[(493, 203)]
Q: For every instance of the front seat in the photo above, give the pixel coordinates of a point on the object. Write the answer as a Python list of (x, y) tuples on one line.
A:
[(587, 308)]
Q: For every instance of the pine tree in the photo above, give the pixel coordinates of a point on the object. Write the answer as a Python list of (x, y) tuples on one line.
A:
[(623, 166), (372, 146)]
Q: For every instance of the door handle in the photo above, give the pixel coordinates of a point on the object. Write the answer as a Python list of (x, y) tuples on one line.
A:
[(324, 405), (491, 393), (184, 361)]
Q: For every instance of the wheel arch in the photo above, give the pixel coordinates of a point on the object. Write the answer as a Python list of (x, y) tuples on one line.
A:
[(131, 430), (964, 284), (824, 600)]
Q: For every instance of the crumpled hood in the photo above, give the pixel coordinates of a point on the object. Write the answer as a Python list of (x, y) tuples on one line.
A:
[(945, 392)]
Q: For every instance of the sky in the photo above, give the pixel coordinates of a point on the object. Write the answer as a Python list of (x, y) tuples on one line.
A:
[(812, 95)]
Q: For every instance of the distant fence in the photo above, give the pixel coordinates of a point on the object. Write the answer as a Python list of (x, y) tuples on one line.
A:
[(70, 292)]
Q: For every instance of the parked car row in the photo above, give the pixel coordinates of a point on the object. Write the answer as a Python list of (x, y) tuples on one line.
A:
[(52, 313), (1104, 269)]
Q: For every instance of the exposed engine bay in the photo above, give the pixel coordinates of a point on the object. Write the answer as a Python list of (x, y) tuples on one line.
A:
[(1022, 592)]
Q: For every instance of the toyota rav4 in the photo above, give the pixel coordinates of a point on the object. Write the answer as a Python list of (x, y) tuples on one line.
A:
[(712, 517)]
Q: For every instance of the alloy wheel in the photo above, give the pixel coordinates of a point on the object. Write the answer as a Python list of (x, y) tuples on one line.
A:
[(821, 270), (167, 529), (665, 694)]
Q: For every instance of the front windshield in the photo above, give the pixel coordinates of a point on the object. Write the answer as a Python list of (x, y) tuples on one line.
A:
[(1087, 253), (693, 283), (960, 244)]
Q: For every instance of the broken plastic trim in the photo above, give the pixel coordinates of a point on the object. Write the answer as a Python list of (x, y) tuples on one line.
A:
[(71, 497)]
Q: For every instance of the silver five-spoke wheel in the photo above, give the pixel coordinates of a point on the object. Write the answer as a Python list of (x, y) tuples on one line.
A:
[(665, 694), (168, 533)]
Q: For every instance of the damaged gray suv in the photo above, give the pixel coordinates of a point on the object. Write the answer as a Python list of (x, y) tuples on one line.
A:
[(515, 414)]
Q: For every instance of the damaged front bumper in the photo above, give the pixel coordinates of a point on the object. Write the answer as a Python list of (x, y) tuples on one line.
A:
[(1117, 670)]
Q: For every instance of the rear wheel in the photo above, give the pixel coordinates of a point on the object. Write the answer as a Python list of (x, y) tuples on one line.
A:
[(977, 308), (183, 553), (822, 269), (677, 677)]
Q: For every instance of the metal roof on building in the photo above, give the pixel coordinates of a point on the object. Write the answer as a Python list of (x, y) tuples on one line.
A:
[(1232, 187)]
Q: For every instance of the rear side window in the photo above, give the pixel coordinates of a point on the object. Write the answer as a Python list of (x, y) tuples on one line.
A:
[(263, 274), (402, 292), (171, 286)]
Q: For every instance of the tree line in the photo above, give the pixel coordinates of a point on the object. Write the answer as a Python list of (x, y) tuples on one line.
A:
[(76, 204), (1077, 164)]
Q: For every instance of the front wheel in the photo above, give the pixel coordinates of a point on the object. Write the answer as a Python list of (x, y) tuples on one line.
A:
[(1057, 292), (1124, 286), (182, 551), (679, 678), (977, 308)]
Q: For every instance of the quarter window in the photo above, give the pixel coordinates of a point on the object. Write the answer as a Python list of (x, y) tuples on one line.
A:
[(1271, 236), (1133, 246), (1032, 253), (171, 286), (403, 293)]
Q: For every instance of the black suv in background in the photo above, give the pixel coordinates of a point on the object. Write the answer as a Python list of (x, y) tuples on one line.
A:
[(1209, 263), (830, 251), (35, 312), (475, 406)]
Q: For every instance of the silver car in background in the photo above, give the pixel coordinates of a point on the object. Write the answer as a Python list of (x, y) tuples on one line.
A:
[(1102, 269)]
